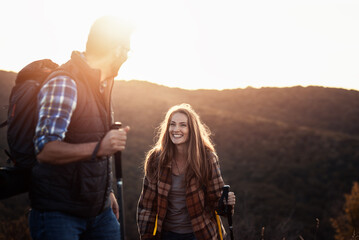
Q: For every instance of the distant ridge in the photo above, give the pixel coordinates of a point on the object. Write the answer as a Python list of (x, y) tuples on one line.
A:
[(332, 109)]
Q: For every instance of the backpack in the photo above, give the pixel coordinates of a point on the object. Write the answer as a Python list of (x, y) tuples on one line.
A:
[(21, 122)]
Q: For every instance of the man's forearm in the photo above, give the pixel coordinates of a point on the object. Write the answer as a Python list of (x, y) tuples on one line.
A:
[(57, 152)]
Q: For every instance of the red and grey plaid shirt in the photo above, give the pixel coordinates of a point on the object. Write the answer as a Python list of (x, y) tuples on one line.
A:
[(153, 204)]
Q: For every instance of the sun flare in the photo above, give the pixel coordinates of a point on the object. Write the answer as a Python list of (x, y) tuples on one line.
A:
[(197, 43)]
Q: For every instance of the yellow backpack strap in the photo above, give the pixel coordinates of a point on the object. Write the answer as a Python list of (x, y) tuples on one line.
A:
[(219, 225), (155, 230)]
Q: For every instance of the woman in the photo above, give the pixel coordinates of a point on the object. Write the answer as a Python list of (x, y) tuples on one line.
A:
[(182, 183)]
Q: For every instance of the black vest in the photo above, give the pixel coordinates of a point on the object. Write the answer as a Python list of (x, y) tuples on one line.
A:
[(81, 188)]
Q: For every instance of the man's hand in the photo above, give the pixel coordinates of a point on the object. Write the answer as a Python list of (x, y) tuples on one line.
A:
[(114, 205), (114, 141)]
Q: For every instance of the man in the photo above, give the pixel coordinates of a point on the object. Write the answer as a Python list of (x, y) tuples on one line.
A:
[(71, 193)]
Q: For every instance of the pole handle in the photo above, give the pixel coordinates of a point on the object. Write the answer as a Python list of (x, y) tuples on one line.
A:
[(117, 155), (116, 125)]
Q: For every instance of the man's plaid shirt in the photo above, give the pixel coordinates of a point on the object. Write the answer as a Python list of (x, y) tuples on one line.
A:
[(153, 201), (56, 103)]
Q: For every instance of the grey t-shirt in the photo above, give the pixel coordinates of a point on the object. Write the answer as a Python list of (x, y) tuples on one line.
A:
[(177, 218)]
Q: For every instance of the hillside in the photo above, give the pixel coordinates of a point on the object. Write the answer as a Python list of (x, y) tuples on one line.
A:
[(290, 154)]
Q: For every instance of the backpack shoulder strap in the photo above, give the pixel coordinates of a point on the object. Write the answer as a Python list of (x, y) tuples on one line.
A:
[(59, 72)]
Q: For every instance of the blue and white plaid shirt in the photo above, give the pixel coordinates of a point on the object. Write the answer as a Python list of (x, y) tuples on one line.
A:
[(56, 102)]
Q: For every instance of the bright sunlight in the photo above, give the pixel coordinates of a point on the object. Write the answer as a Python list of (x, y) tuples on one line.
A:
[(197, 43)]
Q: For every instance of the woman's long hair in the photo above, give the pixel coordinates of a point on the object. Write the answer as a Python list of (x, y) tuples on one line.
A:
[(200, 147)]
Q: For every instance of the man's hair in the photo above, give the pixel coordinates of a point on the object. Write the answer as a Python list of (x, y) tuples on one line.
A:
[(106, 34)]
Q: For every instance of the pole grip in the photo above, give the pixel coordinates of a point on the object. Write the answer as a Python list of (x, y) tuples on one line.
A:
[(225, 192), (116, 125), (117, 155)]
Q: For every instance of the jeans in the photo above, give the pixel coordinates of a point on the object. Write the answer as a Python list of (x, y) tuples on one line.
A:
[(177, 236), (61, 226)]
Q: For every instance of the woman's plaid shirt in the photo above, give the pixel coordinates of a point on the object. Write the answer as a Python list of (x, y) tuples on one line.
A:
[(153, 201)]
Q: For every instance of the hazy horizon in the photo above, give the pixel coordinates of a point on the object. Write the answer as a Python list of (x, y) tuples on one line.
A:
[(219, 89), (228, 44)]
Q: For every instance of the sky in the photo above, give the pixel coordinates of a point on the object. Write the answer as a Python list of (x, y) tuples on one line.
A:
[(199, 44)]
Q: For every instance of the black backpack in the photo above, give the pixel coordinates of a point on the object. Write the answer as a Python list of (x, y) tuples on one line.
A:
[(21, 122)]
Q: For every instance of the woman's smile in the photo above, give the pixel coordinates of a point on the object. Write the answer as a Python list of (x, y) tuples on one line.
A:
[(178, 128)]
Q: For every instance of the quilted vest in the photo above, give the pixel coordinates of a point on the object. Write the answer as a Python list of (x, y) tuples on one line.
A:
[(80, 188)]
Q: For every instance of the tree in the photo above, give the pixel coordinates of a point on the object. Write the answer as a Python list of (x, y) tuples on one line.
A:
[(346, 224)]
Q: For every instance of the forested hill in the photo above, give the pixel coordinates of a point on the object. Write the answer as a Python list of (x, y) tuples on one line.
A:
[(290, 154), (314, 107)]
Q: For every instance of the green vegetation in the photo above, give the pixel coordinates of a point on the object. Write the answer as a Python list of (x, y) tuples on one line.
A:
[(289, 154)]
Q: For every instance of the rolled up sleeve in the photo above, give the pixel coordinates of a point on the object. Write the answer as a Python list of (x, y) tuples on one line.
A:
[(56, 103)]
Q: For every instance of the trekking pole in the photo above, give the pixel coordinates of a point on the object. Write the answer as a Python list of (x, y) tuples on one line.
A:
[(119, 184), (229, 214), (227, 209)]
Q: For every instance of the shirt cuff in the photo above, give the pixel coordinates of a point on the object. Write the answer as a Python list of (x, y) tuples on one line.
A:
[(42, 140)]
